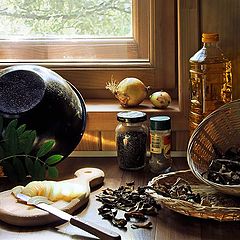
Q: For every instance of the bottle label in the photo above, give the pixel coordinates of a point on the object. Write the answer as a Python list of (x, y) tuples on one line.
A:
[(160, 143)]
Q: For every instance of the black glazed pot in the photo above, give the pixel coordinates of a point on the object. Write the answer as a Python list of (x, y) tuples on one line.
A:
[(45, 102)]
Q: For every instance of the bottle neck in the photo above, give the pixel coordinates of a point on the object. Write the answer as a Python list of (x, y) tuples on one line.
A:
[(210, 44)]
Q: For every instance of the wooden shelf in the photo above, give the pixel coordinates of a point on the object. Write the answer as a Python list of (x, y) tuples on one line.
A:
[(112, 105), (102, 113)]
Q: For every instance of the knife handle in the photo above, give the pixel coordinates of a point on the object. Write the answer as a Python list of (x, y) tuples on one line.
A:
[(95, 229)]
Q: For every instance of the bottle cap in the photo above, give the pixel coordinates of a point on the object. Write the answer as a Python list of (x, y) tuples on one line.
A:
[(210, 37), (160, 123), (131, 116)]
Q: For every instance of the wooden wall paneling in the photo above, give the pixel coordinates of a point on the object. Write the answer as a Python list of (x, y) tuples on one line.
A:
[(165, 47), (109, 122), (105, 141), (181, 140), (173, 140), (223, 17), (100, 93), (83, 79), (108, 140), (188, 44), (91, 141)]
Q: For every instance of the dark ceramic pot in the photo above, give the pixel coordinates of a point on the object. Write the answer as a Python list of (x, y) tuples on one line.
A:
[(45, 102)]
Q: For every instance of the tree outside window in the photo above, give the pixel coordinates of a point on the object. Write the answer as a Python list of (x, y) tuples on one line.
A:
[(65, 19)]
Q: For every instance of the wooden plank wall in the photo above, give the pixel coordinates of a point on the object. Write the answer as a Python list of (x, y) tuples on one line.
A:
[(195, 17), (105, 141), (223, 16)]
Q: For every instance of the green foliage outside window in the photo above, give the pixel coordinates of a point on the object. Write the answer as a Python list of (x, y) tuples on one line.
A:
[(65, 18)]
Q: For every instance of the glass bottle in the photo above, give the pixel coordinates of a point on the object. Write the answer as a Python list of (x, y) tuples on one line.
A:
[(210, 80), (131, 140), (160, 144)]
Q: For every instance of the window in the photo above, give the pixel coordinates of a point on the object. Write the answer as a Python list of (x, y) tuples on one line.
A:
[(145, 49), (65, 19), (71, 31)]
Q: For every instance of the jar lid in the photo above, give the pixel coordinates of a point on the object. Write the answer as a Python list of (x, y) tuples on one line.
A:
[(160, 123), (131, 116), (210, 37)]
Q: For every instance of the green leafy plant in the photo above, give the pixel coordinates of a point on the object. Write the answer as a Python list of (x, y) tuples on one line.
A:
[(18, 158)]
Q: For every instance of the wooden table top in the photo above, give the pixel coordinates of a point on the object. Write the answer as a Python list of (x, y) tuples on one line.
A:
[(167, 225)]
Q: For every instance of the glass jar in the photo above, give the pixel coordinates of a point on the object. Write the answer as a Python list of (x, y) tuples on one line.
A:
[(160, 144), (131, 140)]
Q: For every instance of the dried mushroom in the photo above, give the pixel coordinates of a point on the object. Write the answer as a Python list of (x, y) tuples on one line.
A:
[(136, 203), (181, 190), (146, 224), (225, 167), (135, 215)]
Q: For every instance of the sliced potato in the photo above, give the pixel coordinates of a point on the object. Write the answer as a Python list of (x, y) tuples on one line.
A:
[(16, 190), (38, 199), (51, 190)]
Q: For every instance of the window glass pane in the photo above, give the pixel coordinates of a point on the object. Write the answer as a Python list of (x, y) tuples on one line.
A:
[(65, 19)]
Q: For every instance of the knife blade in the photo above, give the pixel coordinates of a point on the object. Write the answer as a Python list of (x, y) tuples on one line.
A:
[(87, 226)]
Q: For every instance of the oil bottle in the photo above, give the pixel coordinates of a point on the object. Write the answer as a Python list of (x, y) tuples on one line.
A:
[(210, 80)]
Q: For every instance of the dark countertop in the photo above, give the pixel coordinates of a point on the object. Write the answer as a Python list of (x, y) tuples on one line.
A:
[(168, 225)]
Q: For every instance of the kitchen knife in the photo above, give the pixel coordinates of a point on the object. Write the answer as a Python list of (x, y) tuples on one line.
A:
[(87, 226)]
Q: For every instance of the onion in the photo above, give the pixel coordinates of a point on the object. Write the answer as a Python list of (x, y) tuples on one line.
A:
[(160, 99), (130, 91)]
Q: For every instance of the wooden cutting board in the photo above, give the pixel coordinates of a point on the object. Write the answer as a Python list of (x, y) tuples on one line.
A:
[(20, 214)]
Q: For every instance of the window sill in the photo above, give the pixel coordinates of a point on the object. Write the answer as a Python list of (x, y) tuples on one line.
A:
[(101, 114)]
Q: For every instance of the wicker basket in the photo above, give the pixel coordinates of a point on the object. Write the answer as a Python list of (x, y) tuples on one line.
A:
[(224, 208), (221, 127)]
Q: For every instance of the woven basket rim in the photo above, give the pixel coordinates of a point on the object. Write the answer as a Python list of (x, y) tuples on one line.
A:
[(179, 200), (219, 213), (212, 114), (221, 187)]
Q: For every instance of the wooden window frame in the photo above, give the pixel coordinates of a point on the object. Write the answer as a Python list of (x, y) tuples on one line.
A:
[(154, 39), (77, 52)]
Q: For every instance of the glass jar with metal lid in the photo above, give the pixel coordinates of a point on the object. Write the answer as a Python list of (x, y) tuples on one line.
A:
[(131, 140)]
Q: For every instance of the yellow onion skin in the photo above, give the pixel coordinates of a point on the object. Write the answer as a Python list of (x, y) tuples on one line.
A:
[(160, 99), (131, 92)]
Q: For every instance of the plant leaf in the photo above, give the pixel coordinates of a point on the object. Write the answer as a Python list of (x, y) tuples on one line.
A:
[(2, 155), (52, 172), (22, 137), (11, 140), (54, 159), (38, 171), (26, 141), (19, 168), (41, 173), (36, 167), (21, 129), (11, 124), (23, 140), (45, 148), (29, 165), (29, 142), (1, 125)]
